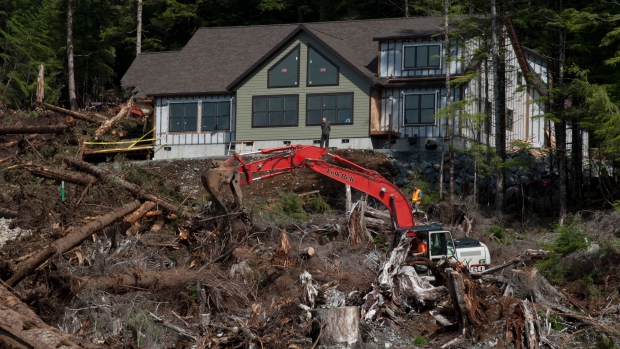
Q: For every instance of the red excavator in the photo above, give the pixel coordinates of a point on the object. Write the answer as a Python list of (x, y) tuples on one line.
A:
[(281, 160)]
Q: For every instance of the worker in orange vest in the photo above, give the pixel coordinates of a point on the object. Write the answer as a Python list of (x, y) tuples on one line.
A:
[(419, 247), (416, 197)]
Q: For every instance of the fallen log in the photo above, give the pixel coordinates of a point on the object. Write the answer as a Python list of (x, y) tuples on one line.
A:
[(133, 188), (108, 124), (9, 130), (118, 283), (6, 213), (153, 213), (98, 118), (379, 214), (139, 213), (525, 255), (157, 227), (70, 241), (21, 328), (60, 175)]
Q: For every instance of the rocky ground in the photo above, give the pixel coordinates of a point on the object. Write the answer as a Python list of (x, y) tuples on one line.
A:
[(202, 278)]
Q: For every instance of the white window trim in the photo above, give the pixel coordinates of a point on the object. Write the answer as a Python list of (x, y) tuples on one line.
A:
[(441, 53), (402, 109)]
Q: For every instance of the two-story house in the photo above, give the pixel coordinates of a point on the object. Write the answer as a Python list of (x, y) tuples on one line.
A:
[(374, 80)]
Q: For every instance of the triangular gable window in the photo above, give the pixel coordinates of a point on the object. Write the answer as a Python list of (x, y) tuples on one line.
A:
[(285, 73), (321, 71)]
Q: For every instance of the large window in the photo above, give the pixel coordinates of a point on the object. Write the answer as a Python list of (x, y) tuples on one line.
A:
[(215, 116), (336, 108), (321, 71), (269, 111), (183, 117), (285, 73), (422, 56), (419, 109)]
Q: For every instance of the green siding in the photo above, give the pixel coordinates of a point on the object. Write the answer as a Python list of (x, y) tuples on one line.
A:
[(256, 85)]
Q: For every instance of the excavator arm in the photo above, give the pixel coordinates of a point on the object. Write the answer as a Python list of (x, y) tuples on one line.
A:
[(281, 160)]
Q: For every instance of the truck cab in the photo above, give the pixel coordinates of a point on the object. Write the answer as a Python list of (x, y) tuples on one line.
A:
[(441, 246)]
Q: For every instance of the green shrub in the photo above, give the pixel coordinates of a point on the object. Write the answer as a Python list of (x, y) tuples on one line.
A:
[(292, 206), (288, 208), (552, 268), (498, 232), (316, 204), (143, 327), (419, 340), (588, 287), (570, 239)]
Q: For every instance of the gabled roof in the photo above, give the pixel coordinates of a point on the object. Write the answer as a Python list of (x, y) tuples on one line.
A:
[(215, 60)]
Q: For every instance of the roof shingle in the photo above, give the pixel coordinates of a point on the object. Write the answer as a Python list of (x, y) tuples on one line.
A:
[(218, 57)]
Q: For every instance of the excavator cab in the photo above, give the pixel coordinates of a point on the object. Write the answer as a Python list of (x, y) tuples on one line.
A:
[(440, 246)]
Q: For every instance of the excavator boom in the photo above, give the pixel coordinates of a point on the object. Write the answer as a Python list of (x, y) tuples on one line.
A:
[(281, 160)]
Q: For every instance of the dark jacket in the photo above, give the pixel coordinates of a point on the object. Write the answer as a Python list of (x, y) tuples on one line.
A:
[(325, 128)]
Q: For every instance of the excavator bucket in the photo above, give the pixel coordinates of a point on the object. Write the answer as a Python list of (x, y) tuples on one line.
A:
[(215, 180)]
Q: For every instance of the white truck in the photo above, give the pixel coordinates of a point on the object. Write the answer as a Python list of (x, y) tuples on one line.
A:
[(441, 246)]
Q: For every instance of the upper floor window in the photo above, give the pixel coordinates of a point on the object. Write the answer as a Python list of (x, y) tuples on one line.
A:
[(422, 56), (183, 117), (270, 111), (336, 108), (321, 71), (285, 73), (419, 108), (215, 116)]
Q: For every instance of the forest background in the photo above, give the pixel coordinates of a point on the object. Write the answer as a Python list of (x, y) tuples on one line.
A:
[(580, 39)]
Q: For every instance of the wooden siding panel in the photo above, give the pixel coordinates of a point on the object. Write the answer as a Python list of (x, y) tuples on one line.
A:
[(256, 85)]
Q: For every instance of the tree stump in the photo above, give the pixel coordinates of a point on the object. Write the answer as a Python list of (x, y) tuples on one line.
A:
[(338, 327), (527, 283)]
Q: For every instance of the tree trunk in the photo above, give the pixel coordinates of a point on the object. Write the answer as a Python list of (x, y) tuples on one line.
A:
[(41, 84), (449, 130), (560, 125), (70, 67), (133, 188), (98, 118), (499, 99), (337, 327), (21, 328), (139, 30), (70, 241), (60, 175), (11, 130), (577, 162), (347, 192)]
